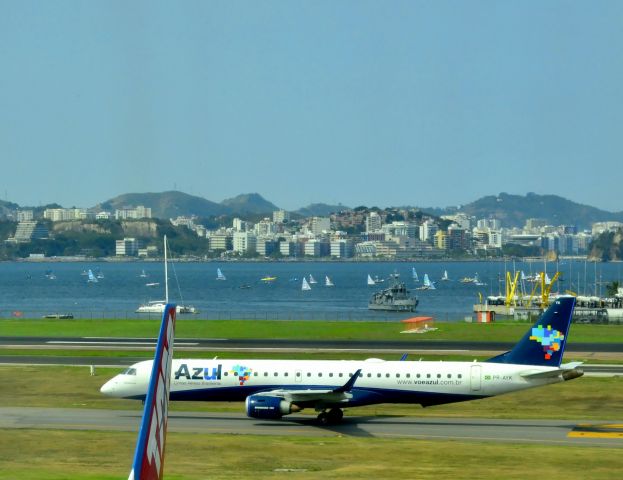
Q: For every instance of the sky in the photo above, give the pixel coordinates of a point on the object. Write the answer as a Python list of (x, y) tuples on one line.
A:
[(376, 103)]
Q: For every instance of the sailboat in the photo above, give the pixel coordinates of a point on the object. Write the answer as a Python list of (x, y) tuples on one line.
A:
[(92, 278), (328, 282), (143, 274), (305, 286), (157, 306), (428, 285), (219, 275), (99, 274), (445, 278), (312, 279), (370, 281), (414, 275)]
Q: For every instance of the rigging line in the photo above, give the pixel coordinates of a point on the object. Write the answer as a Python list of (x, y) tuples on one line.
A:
[(177, 282)]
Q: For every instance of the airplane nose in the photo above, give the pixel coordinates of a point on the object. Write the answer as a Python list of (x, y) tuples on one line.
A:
[(108, 388)]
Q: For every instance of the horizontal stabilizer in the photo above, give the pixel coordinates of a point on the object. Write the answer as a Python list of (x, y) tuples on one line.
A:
[(567, 373)]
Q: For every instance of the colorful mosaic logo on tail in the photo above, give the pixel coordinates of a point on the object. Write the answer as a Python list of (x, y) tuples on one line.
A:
[(549, 339), (243, 373)]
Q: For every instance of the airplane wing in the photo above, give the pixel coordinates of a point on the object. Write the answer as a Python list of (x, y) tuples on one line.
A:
[(311, 396), (148, 461)]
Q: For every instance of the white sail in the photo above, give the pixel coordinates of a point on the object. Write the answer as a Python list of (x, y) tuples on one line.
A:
[(92, 278), (312, 279), (427, 282), (414, 274), (370, 281), (328, 282), (219, 275), (305, 285), (445, 275), (143, 274)]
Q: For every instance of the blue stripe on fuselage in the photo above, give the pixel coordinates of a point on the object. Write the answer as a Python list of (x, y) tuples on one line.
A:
[(361, 396)]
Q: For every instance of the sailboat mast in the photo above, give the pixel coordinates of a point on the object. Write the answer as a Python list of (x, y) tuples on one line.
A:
[(166, 273)]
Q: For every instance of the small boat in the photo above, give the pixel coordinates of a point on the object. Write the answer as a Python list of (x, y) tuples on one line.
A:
[(312, 279), (305, 286), (49, 274), (444, 277), (92, 278), (143, 274), (414, 275), (328, 282), (370, 281), (244, 286), (59, 316), (219, 275), (375, 280), (99, 274), (152, 284), (268, 279)]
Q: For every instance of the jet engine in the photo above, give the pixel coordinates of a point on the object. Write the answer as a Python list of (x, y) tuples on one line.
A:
[(260, 406)]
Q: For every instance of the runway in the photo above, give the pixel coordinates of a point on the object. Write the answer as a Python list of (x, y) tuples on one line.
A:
[(552, 432), (254, 344)]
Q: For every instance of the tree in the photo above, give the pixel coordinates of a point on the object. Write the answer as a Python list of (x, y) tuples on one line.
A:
[(612, 289)]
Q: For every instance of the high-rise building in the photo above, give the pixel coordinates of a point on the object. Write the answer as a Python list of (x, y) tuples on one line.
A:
[(280, 216), (128, 247), (373, 222)]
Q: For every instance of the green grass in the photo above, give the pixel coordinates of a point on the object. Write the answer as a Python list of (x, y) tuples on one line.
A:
[(90, 455), (304, 329)]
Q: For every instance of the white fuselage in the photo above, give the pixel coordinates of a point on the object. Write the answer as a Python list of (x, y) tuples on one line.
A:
[(426, 383)]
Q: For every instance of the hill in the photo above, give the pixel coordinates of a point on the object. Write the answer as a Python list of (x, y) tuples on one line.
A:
[(168, 204), (249, 203), (319, 210), (513, 210)]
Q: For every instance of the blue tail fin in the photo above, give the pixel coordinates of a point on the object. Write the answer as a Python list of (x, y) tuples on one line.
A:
[(545, 342)]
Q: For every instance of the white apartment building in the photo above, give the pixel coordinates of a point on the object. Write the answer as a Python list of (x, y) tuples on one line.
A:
[(318, 225), (126, 213), (265, 227), (342, 248), (244, 242), (64, 214), (373, 222), (240, 225), (24, 215)]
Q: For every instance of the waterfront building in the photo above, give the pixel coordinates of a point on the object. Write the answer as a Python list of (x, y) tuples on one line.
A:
[(128, 247), (461, 219), (244, 242), (266, 246), (601, 227), (319, 225), (220, 240), (441, 240), (342, 248), (103, 215)]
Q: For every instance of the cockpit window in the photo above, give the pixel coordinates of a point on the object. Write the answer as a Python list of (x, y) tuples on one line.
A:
[(129, 371)]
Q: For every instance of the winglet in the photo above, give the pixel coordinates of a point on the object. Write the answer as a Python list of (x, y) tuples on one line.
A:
[(348, 385), (404, 357), (148, 461)]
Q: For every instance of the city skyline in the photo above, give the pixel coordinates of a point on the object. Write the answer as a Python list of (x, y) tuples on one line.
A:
[(358, 103)]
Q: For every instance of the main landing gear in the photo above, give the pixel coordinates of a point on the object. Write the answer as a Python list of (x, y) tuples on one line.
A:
[(330, 417)]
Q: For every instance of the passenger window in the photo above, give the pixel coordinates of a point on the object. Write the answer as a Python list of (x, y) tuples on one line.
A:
[(226, 373), (275, 374), (378, 375), (397, 375), (408, 375), (298, 374), (341, 374), (255, 374), (369, 375), (360, 374), (418, 375), (387, 375), (266, 374), (285, 374), (449, 375), (320, 374), (428, 375), (439, 375), (331, 374), (309, 374), (460, 376)]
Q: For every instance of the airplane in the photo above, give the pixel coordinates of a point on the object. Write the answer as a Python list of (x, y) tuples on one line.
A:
[(272, 389), (148, 463)]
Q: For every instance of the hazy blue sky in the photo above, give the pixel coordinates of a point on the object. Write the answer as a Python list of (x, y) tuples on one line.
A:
[(381, 103)]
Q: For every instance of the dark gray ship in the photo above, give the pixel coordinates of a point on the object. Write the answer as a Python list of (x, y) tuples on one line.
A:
[(395, 298)]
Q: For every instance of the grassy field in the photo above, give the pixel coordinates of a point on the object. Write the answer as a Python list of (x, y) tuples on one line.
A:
[(304, 329), (56, 455)]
